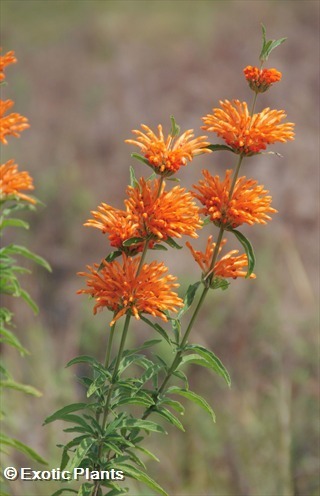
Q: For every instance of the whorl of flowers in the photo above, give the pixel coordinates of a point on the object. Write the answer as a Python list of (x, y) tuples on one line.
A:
[(261, 79), (122, 289), (249, 202), (246, 134), (166, 156)]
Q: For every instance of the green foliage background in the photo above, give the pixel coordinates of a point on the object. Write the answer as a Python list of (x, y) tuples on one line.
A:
[(90, 71)]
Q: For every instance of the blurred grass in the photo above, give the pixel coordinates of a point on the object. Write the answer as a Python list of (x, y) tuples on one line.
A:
[(90, 71)]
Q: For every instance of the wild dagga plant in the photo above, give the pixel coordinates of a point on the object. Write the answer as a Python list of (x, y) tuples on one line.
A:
[(13, 201), (132, 389)]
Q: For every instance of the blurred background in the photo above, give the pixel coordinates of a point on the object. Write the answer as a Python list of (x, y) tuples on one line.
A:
[(88, 73)]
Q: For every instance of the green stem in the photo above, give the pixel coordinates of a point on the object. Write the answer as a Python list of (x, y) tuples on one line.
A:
[(109, 346), (235, 176), (111, 389)]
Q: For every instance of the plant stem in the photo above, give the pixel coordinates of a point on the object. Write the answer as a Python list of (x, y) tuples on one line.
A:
[(111, 388), (235, 176), (109, 346)]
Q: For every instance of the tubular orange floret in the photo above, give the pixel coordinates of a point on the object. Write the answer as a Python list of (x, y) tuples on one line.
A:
[(7, 59), (166, 156), (115, 222)]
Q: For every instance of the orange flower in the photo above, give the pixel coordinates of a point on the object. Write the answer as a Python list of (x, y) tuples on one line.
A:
[(167, 156), (261, 79), (11, 124), (245, 134), (117, 223), (249, 202), (5, 60), (228, 266), (12, 181), (119, 288), (162, 214)]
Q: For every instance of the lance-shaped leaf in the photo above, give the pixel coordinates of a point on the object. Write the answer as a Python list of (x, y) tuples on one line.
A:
[(189, 297), (140, 476), (268, 46), (132, 241), (112, 256), (157, 328), (60, 414), (214, 363), (80, 453), (216, 148), (175, 129), (141, 158), (196, 398), (23, 448), (24, 388), (21, 250), (171, 242), (248, 249), (133, 180)]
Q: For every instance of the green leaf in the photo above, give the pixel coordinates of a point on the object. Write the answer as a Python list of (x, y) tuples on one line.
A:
[(219, 283), (159, 247), (10, 384), (84, 359), (141, 158), (216, 148), (248, 249), (27, 298), (76, 419), (189, 297), (21, 250), (175, 129), (86, 489), (171, 242), (194, 358), (133, 180), (132, 241), (80, 453), (23, 448), (63, 490), (196, 398), (146, 425), (14, 223), (12, 340), (213, 361), (147, 452), (268, 46), (140, 476), (176, 405), (169, 417), (157, 328), (112, 256), (60, 414)]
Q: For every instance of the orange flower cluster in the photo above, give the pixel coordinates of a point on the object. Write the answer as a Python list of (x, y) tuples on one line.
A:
[(151, 212), (121, 289), (261, 79), (166, 156), (162, 214), (7, 59), (228, 266), (248, 204), (244, 133), (12, 181), (11, 124)]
